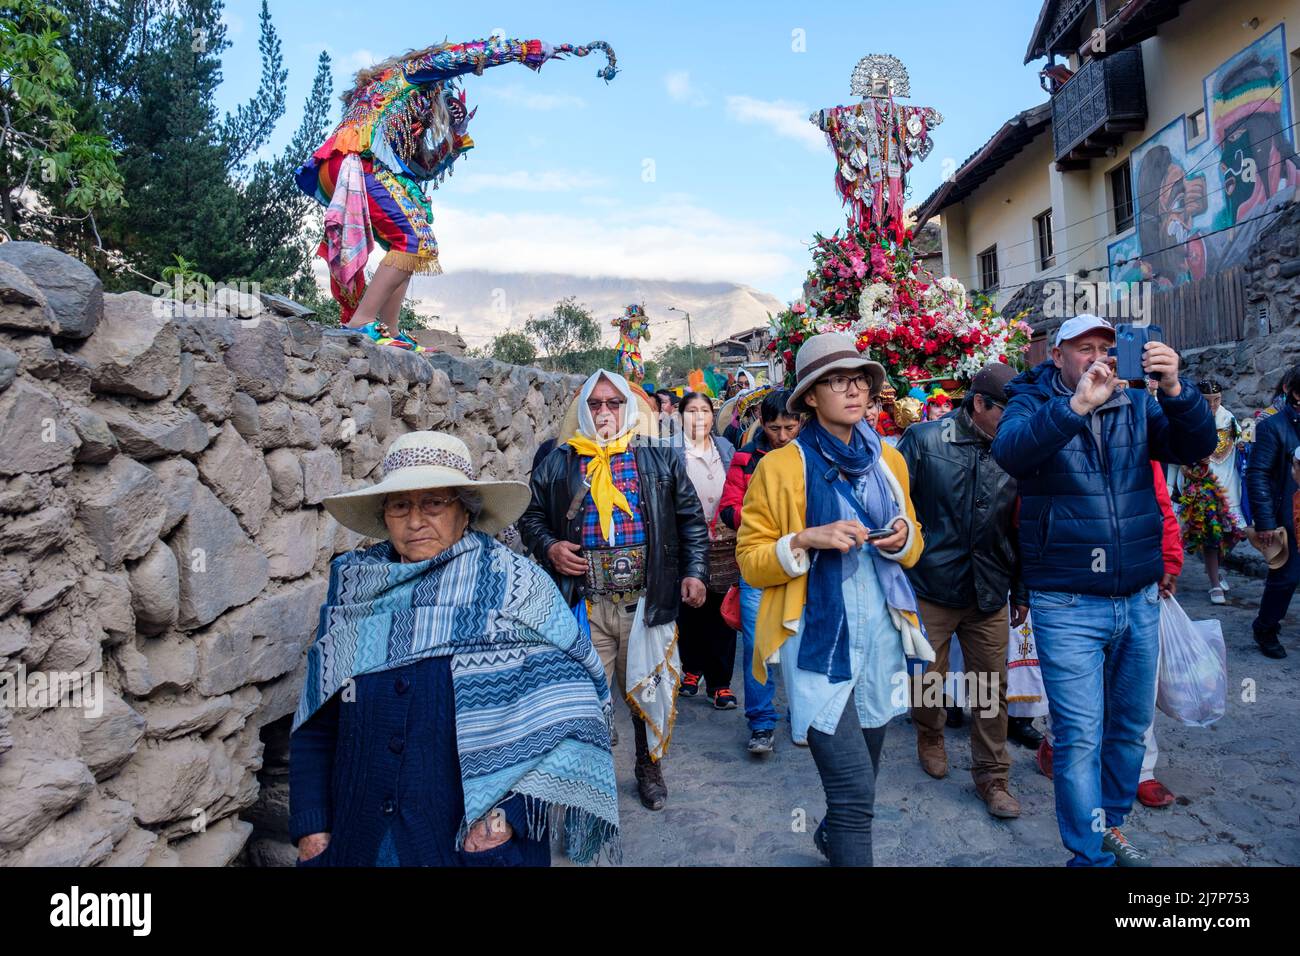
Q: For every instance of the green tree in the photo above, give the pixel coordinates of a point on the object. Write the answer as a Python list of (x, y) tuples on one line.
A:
[(676, 362), (514, 348), (566, 329), (47, 151), (149, 76)]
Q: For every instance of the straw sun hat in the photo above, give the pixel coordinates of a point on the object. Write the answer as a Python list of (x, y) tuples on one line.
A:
[(426, 460)]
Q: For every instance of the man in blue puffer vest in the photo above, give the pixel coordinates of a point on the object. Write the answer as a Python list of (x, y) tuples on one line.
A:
[(1080, 445)]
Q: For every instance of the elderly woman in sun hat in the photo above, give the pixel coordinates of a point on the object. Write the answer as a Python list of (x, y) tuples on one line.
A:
[(451, 708)]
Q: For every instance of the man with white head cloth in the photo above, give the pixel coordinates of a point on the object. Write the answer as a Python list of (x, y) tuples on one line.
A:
[(615, 519)]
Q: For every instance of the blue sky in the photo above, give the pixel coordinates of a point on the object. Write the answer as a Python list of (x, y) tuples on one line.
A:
[(697, 161)]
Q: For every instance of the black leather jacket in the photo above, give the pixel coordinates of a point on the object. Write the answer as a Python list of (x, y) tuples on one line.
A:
[(677, 537), (966, 503)]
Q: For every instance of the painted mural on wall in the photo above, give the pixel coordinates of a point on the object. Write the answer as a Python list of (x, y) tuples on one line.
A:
[(1200, 207)]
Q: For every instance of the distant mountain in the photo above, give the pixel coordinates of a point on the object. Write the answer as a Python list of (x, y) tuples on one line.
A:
[(483, 304)]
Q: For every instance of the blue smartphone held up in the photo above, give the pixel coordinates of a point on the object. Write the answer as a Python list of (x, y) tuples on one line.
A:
[(1129, 343)]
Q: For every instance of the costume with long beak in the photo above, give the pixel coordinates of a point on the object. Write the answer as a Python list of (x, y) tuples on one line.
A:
[(404, 126)]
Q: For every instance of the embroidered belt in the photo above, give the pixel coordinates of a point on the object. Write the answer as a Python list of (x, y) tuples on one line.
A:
[(615, 571)]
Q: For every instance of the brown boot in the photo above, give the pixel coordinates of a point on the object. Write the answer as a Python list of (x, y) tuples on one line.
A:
[(998, 799), (649, 778), (934, 760)]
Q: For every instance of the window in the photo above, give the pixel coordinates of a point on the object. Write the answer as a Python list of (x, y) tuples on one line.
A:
[(1043, 230), (1195, 127), (988, 260), (1121, 197)]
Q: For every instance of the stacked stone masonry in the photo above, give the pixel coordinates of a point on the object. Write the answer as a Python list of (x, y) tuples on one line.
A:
[(161, 533)]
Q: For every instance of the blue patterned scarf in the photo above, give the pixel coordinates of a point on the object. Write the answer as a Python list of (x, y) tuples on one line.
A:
[(824, 647), (532, 709)]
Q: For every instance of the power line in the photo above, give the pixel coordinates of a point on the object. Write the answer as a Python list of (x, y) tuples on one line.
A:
[(1140, 196), (1092, 243)]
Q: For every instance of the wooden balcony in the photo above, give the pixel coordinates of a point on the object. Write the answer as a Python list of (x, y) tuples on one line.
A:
[(1093, 110)]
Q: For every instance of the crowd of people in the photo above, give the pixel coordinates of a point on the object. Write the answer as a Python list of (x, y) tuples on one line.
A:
[(840, 556)]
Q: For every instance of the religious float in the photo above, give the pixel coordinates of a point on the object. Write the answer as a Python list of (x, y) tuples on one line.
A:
[(926, 330)]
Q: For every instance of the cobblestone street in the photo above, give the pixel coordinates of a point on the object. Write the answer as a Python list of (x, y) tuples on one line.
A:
[(1235, 781)]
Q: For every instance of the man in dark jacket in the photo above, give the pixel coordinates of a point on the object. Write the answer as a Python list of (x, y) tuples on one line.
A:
[(1271, 490), (615, 519), (967, 504), (1080, 445)]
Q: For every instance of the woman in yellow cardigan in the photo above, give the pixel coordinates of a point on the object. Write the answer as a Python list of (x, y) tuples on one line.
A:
[(826, 530)]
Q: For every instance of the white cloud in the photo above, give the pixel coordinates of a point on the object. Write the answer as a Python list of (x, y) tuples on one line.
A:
[(787, 119), (522, 180), (533, 100), (359, 59), (674, 239), (678, 84), (234, 23)]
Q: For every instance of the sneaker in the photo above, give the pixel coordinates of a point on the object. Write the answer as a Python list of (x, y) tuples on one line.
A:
[(822, 840), (1153, 793), (762, 741), (723, 699), (1044, 759), (1126, 854), (690, 684), (1216, 596)]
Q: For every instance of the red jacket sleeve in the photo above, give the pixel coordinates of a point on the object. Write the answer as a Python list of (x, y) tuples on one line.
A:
[(1171, 543), (733, 491)]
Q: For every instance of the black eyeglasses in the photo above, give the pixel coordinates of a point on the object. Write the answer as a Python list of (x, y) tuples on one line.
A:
[(840, 383)]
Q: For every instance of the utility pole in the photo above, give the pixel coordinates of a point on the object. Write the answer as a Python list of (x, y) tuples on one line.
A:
[(690, 341)]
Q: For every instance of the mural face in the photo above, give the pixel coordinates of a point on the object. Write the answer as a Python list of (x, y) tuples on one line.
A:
[(1200, 209)]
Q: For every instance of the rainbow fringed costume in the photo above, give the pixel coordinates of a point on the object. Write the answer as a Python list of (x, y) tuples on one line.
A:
[(633, 326), (408, 125)]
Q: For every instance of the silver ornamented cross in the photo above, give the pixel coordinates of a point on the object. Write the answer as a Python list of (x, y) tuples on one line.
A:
[(877, 141)]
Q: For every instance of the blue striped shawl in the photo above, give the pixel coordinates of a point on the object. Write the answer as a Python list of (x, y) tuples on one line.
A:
[(532, 708)]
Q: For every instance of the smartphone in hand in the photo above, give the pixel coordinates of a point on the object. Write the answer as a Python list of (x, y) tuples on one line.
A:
[(1130, 340)]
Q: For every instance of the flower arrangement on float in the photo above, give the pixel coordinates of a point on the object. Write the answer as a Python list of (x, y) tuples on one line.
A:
[(922, 328)]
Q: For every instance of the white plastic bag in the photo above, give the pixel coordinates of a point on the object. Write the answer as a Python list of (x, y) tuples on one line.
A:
[(1192, 685)]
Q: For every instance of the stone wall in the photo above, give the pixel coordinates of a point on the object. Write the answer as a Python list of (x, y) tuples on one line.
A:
[(161, 534)]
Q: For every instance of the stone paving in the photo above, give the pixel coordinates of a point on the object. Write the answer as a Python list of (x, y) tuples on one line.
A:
[(1236, 781)]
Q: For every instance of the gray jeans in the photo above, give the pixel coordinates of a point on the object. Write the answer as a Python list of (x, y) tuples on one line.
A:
[(848, 762)]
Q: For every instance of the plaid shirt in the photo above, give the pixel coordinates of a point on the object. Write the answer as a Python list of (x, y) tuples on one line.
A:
[(629, 530)]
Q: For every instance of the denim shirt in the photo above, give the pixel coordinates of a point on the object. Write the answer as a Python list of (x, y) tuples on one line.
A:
[(875, 655)]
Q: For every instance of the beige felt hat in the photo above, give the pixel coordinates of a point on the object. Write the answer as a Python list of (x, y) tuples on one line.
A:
[(829, 352), (420, 460), (1276, 554)]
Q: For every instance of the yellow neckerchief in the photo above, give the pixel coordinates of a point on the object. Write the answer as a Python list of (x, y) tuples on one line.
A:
[(600, 476)]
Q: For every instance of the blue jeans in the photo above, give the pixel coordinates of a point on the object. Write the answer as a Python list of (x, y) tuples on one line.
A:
[(759, 708), (1098, 657), (848, 762)]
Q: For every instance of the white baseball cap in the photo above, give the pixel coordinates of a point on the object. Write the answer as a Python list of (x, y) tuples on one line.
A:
[(1081, 325)]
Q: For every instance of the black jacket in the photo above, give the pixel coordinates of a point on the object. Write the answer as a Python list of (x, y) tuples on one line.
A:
[(1268, 472), (966, 503), (677, 537)]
